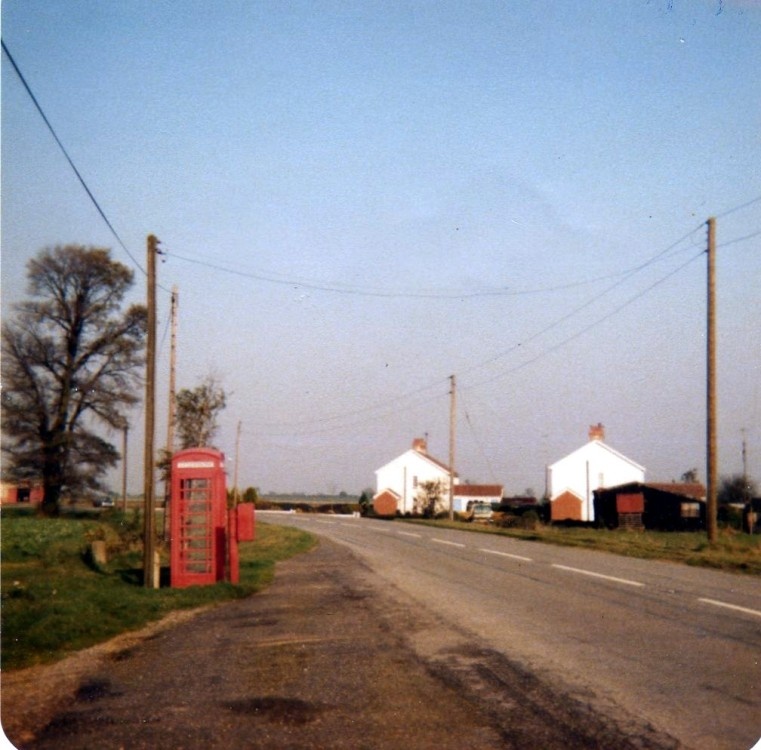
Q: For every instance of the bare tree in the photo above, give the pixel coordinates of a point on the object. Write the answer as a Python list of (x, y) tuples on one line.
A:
[(71, 359), (197, 412)]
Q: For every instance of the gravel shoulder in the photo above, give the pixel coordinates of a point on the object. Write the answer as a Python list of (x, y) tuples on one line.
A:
[(325, 657)]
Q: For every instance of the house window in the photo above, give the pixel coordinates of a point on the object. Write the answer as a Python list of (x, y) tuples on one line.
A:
[(414, 482), (690, 510), (601, 480)]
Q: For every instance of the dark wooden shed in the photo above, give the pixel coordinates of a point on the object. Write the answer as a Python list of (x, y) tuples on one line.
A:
[(659, 506)]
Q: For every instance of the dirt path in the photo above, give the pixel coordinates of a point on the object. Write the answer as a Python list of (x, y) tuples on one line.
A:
[(322, 658)]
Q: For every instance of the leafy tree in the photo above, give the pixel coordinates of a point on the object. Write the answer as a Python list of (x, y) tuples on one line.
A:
[(690, 476), (428, 501), (736, 489), (250, 495), (197, 412), (365, 502), (71, 358)]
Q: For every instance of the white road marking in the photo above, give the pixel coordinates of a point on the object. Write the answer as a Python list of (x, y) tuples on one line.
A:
[(598, 575), (444, 541), (408, 533), (731, 606), (506, 554)]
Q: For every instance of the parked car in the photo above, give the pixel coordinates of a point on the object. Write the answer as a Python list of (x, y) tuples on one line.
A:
[(103, 502), (481, 512)]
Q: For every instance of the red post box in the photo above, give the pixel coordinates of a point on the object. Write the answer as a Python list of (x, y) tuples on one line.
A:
[(233, 558), (246, 522), (198, 517)]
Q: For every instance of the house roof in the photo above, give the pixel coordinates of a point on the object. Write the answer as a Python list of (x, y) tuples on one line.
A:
[(478, 490), (417, 454), (387, 491), (599, 444), (520, 500), (691, 490)]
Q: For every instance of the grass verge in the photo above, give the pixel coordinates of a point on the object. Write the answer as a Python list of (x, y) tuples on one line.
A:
[(733, 551), (56, 601)]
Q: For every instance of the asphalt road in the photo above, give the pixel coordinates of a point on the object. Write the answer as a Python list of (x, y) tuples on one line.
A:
[(323, 658), (644, 643)]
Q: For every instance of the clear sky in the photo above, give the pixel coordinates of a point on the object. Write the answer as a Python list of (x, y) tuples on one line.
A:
[(359, 199)]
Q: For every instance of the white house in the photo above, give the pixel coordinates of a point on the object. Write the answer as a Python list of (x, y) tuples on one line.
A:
[(572, 480), (399, 480)]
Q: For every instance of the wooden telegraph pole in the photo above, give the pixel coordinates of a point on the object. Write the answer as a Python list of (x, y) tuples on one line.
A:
[(150, 577), (236, 493), (125, 435), (172, 376), (452, 425), (171, 412), (711, 461), (747, 495)]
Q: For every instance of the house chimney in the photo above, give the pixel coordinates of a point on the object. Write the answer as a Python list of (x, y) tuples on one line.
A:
[(597, 431), (420, 445)]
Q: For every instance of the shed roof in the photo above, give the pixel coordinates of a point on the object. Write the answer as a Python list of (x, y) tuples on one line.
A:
[(478, 490), (690, 490)]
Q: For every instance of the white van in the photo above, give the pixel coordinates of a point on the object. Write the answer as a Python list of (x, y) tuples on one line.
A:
[(481, 512)]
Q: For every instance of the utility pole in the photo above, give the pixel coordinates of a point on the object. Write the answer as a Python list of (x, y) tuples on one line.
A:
[(747, 497), (125, 433), (172, 379), (236, 495), (452, 425), (149, 520), (170, 415), (711, 457)]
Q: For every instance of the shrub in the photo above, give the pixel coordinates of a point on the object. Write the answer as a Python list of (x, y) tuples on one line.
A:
[(529, 520)]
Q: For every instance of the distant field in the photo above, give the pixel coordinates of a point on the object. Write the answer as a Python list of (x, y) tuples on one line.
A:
[(310, 499)]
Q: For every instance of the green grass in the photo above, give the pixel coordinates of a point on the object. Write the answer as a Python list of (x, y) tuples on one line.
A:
[(733, 551), (55, 602)]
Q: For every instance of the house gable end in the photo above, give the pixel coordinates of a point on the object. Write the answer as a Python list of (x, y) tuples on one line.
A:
[(410, 458), (589, 449)]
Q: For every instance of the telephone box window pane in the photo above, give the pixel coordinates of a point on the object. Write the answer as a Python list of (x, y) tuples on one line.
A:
[(195, 527)]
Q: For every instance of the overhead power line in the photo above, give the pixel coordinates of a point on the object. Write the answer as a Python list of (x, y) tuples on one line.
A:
[(589, 327), (69, 159), (364, 410), (340, 288), (729, 211), (382, 406)]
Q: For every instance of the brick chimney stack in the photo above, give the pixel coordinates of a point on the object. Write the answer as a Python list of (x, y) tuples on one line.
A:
[(597, 431), (420, 445)]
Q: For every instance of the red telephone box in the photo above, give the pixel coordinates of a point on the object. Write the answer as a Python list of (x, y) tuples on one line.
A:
[(198, 510)]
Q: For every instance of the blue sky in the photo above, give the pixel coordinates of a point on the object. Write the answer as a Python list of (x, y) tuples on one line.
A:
[(359, 199)]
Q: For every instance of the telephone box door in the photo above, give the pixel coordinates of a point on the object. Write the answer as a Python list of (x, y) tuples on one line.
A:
[(198, 509)]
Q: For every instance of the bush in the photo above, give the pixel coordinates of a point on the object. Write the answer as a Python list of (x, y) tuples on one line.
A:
[(730, 517)]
